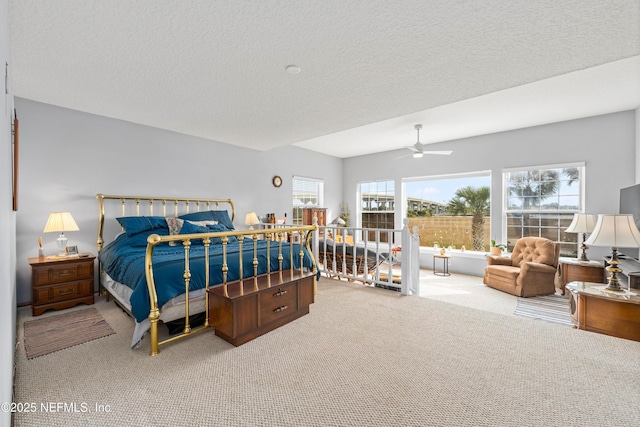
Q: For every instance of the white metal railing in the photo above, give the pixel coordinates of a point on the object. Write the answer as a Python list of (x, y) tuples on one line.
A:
[(380, 257)]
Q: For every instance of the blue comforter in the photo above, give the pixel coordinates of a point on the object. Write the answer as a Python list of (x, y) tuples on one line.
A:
[(123, 261)]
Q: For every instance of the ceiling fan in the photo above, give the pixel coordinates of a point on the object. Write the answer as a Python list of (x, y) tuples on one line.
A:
[(418, 147)]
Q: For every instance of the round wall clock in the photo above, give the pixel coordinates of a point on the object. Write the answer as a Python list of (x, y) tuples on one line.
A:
[(277, 181)]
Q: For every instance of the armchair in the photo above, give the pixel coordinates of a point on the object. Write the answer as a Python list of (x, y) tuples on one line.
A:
[(530, 270)]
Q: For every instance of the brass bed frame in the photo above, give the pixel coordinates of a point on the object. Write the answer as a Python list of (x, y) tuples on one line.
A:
[(183, 206)]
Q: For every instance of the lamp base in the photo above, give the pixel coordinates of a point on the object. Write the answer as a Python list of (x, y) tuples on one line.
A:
[(584, 248), (61, 241), (613, 284)]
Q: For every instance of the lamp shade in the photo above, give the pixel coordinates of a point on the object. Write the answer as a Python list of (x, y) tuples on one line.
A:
[(251, 219), (615, 230), (338, 220), (60, 222), (582, 223)]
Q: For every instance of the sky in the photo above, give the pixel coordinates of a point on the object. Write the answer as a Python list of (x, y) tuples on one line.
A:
[(443, 190)]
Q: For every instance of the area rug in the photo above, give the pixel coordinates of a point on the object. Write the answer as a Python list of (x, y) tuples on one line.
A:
[(49, 334), (550, 308)]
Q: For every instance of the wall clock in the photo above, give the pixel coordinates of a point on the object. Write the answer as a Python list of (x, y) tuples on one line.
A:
[(277, 181)]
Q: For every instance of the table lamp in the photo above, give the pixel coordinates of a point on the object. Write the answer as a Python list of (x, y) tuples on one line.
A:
[(615, 230), (251, 219), (61, 222), (582, 223), (338, 221)]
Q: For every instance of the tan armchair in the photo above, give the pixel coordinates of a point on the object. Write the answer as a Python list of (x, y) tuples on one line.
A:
[(530, 270)]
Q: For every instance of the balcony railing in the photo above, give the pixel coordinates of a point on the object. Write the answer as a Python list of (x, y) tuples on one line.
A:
[(379, 257)]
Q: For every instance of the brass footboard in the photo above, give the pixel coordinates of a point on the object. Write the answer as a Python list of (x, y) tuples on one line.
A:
[(252, 236)]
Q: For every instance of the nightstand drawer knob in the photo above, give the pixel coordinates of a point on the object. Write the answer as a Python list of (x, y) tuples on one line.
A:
[(280, 309), (67, 292), (279, 293)]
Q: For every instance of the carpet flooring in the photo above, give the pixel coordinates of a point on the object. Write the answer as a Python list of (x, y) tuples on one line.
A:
[(363, 356), (55, 333), (550, 308)]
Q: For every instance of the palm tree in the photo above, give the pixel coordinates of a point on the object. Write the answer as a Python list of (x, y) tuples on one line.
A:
[(532, 187), (572, 173), (474, 202)]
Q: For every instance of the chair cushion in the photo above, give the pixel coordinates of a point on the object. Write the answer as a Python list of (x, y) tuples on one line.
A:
[(504, 271)]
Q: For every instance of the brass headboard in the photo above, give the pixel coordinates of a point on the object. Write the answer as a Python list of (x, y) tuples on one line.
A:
[(144, 205)]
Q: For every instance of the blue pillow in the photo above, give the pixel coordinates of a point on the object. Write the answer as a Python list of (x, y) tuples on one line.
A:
[(137, 224), (221, 216), (215, 228), (190, 228)]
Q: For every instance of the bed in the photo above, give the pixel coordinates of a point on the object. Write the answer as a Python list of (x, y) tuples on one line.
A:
[(160, 267)]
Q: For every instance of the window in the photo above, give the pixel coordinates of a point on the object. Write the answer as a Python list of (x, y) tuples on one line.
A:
[(541, 202), (450, 210), (307, 193), (377, 204)]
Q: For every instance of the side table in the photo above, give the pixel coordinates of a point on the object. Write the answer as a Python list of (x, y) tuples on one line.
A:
[(61, 282), (573, 270), (610, 313), (445, 267)]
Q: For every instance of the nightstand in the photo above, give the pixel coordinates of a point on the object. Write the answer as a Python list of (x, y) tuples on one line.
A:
[(61, 282)]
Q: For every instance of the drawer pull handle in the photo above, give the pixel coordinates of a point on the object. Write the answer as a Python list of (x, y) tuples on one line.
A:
[(280, 309), (279, 293), (64, 273), (68, 292)]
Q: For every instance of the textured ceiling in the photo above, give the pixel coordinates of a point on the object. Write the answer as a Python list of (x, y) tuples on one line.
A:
[(370, 69)]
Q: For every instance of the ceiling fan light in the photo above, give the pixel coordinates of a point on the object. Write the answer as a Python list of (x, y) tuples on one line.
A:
[(417, 155)]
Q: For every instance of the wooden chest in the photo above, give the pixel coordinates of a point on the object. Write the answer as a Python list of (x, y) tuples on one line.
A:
[(253, 308)]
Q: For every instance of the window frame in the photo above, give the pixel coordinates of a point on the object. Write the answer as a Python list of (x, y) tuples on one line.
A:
[(561, 215), (297, 219), (390, 193)]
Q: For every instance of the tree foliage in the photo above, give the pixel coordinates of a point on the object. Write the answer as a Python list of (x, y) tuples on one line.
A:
[(475, 202)]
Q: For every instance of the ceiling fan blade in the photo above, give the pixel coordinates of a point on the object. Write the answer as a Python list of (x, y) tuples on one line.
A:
[(443, 153)]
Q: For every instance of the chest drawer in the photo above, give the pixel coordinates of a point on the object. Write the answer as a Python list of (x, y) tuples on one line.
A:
[(278, 301)]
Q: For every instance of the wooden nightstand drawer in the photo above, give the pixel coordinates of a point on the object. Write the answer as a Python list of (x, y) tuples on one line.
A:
[(62, 292), (62, 273)]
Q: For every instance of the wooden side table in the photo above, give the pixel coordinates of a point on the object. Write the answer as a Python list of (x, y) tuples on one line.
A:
[(573, 270), (61, 282), (445, 267), (611, 313)]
